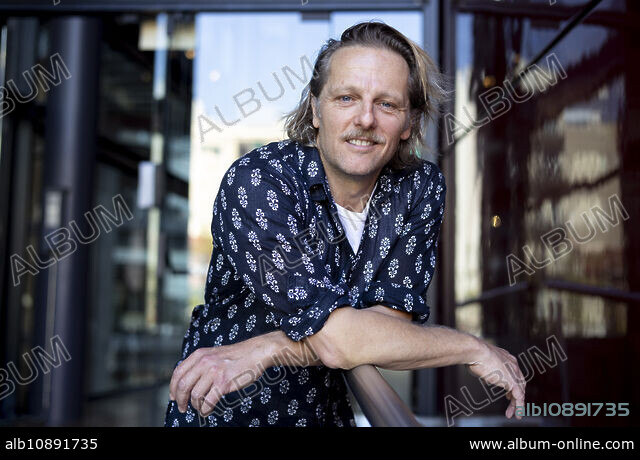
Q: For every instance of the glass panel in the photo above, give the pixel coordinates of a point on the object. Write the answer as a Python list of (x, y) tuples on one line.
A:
[(174, 298), (126, 100), (117, 321), (582, 316), (557, 160), (140, 270), (546, 192)]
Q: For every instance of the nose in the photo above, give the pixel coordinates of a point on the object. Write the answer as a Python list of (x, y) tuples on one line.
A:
[(365, 118)]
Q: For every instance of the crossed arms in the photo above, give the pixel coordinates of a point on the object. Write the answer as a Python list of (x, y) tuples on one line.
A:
[(376, 335)]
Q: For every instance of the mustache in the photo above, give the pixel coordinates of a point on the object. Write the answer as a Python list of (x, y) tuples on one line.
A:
[(364, 135)]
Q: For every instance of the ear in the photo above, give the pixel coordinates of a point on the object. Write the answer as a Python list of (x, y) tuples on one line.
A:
[(314, 109), (407, 131)]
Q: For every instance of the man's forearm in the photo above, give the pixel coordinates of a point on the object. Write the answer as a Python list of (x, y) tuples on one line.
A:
[(352, 337)]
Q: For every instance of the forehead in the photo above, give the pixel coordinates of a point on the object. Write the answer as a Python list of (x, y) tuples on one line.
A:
[(369, 69)]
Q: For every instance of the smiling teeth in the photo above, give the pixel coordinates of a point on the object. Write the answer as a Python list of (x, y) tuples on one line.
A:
[(359, 142)]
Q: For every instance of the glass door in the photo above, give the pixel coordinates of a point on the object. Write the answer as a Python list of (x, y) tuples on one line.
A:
[(139, 271)]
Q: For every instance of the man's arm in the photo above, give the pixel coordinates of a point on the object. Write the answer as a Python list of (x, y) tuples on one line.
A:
[(278, 349), (353, 337), (375, 335), (350, 337), (210, 372)]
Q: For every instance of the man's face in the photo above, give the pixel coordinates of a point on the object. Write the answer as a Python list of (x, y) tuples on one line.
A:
[(362, 112)]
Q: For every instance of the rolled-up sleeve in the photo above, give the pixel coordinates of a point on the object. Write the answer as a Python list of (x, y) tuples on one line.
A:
[(259, 220), (409, 262)]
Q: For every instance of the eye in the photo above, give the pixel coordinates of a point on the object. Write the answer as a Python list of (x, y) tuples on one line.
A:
[(345, 98), (387, 105)]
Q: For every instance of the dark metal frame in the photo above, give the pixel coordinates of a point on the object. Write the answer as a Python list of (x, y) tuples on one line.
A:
[(170, 6)]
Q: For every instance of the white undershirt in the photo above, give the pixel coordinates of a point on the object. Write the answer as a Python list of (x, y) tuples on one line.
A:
[(353, 223)]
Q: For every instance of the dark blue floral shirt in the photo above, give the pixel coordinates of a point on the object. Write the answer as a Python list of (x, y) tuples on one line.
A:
[(281, 260)]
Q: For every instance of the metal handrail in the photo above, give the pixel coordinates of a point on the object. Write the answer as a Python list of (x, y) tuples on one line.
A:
[(379, 402), (609, 293)]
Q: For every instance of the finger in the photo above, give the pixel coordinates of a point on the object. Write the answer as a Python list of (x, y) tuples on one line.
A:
[(511, 410), (182, 369), (202, 388), (514, 371), (512, 403), (496, 377), (210, 401), (508, 413), (176, 376), (185, 385), (518, 398)]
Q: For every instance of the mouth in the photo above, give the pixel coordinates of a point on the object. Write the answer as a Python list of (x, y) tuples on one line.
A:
[(361, 142)]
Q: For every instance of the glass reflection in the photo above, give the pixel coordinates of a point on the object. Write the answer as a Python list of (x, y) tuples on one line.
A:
[(546, 182)]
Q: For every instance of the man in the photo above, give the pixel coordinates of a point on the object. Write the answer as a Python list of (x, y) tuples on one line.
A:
[(296, 291)]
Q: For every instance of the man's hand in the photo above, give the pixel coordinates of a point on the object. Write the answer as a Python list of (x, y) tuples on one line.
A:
[(492, 364), (209, 373), (497, 366)]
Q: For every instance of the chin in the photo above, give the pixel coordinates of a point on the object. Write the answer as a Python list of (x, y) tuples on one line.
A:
[(359, 171)]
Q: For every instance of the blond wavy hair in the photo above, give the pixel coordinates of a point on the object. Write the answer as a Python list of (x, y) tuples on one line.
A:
[(426, 87)]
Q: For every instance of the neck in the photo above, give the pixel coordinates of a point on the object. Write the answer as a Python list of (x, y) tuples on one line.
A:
[(352, 194)]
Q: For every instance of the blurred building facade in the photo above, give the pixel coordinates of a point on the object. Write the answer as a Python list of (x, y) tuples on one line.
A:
[(119, 119)]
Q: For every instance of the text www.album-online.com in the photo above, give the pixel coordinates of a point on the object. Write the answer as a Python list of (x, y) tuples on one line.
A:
[(573, 444)]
